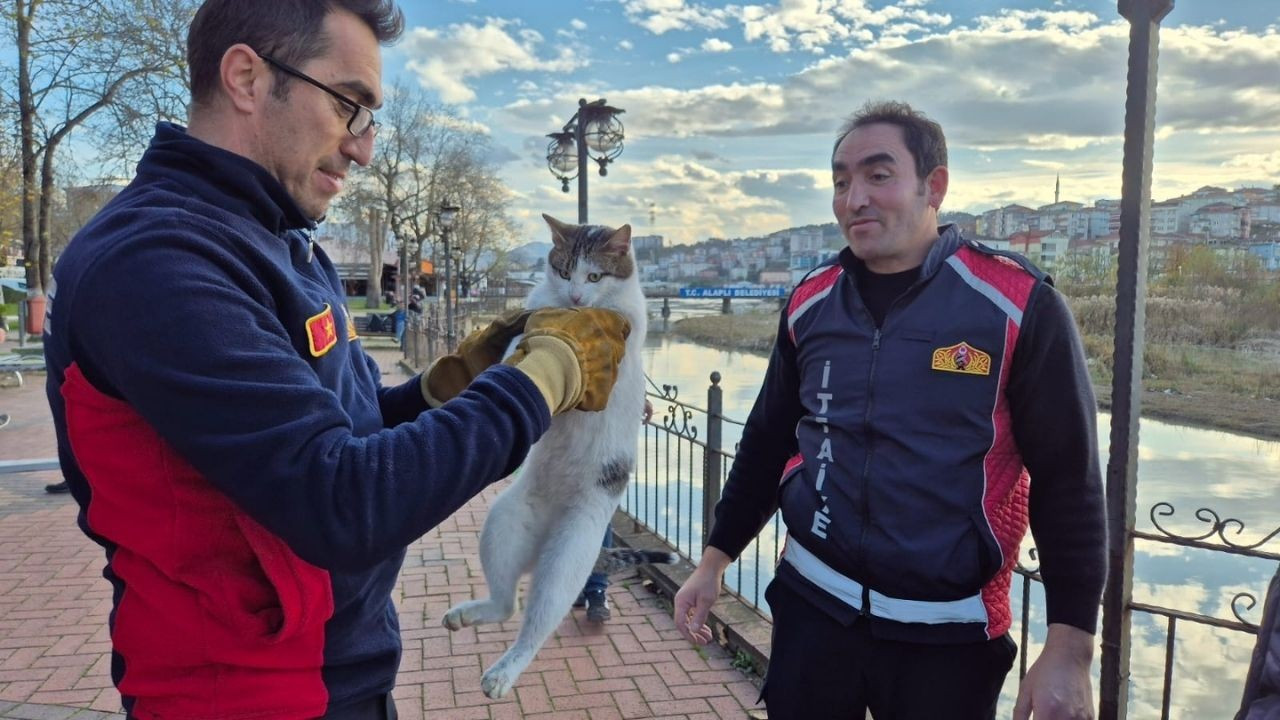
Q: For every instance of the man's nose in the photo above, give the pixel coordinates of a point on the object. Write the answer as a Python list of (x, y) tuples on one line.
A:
[(856, 197), (359, 149)]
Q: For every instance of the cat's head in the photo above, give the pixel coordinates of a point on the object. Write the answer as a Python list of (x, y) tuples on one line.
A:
[(589, 265)]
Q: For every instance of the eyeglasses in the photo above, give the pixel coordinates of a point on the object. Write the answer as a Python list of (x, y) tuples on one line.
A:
[(361, 121)]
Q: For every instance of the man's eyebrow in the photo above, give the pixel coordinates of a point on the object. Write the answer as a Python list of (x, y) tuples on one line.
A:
[(868, 161), (877, 159)]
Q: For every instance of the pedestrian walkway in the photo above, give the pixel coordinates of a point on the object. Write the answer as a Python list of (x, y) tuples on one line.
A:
[(55, 651)]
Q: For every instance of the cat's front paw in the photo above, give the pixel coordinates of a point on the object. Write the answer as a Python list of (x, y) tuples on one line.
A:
[(455, 619), (497, 681)]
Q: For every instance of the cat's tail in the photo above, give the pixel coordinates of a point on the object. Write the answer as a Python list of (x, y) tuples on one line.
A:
[(612, 560)]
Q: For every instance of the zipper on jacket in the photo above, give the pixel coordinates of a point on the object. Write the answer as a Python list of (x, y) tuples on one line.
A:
[(866, 471)]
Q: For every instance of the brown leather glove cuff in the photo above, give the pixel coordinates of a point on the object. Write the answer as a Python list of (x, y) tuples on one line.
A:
[(553, 366)]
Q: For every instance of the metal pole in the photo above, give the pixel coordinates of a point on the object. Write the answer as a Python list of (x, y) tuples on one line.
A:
[(579, 134), (1144, 17), (711, 468), (448, 295)]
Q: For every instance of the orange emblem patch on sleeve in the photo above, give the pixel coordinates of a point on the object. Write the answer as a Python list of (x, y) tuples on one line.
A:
[(322, 331), (962, 358)]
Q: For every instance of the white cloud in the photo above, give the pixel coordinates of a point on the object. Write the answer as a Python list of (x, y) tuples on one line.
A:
[(577, 24), (716, 45), (626, 45), (674, 57), (1023, 96), (660, 16), (443, 60)]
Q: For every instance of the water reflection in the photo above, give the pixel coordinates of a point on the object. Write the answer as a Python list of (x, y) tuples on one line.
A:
[(1186, 467)]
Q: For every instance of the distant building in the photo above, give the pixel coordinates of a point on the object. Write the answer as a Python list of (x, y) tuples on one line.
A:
[(1043, 247), (647, 247), (1221, 221), (1164, 217)]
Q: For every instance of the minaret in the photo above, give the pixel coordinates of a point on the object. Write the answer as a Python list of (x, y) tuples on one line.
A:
[(1057, 189)]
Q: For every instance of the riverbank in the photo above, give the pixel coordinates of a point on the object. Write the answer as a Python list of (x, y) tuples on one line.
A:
[(1210, 388)]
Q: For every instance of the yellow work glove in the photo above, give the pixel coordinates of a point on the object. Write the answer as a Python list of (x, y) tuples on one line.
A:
[(451, 374), (572, 355)]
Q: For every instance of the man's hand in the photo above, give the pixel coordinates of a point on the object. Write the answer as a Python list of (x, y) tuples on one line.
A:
[(1058, 685), (572, 355), (698, 594), (648, 410), (451, 374)]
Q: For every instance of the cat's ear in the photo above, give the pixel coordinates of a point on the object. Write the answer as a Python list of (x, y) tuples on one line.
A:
[(560, 232), (620, 241)]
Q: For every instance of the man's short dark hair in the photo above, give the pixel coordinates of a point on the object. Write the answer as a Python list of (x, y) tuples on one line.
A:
[(922, 136), (290, 31)]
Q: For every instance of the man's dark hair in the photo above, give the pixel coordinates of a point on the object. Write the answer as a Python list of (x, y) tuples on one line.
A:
[(290, 31), (922, 136)]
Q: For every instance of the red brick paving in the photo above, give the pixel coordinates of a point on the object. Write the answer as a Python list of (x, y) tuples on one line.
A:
[(55, 652)]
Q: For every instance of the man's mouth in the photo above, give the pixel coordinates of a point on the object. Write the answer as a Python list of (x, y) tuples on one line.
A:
[(336, 180)]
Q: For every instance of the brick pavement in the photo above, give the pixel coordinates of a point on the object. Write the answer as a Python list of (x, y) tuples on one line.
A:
[(55, 654)]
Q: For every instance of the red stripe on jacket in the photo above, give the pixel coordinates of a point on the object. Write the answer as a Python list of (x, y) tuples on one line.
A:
[(809, 289), (1007, 483), (218, 618)]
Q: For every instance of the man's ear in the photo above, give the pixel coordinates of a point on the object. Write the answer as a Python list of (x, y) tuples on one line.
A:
[(936, 186), (244, 77)]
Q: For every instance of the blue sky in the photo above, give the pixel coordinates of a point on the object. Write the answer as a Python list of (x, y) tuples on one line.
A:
[(731, 109)]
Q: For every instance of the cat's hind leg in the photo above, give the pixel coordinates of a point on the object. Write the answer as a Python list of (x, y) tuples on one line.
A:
[(558, 574), (507, 550)]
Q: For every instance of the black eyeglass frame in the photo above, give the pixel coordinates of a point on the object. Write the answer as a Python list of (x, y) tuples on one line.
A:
[(355, 107)]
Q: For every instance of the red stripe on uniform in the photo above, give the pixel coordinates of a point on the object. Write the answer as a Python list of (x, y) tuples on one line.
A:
[(1006, 276), (218, 617), (808, 290), (1004, 501)]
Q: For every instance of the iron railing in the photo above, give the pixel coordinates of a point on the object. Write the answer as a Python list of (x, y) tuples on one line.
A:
[(683, 466)]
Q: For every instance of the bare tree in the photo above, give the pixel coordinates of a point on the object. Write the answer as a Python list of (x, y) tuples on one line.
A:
[(421, 150), (75, 58), (483, 230)]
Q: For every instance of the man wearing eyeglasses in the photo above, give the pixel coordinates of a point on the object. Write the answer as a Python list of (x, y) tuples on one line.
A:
[(229, 442)]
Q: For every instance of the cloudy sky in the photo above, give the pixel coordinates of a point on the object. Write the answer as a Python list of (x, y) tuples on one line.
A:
[(731, 109)]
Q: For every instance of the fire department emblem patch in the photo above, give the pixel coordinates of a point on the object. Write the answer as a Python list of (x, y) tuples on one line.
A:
[(322, 331), (962, 358)]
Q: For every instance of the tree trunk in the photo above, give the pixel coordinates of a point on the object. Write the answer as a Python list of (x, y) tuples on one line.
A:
[(43, 222), (373, 292), (27, 111)]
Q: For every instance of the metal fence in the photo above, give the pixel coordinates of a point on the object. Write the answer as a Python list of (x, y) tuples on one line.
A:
[(426, 334), (683, 466)]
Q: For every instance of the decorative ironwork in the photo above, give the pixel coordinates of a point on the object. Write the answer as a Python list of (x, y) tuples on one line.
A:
[(1235, 610), (1217, 526), (677, 423)]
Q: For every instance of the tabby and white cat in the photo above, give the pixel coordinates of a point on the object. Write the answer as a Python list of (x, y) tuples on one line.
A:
[(550, 520)]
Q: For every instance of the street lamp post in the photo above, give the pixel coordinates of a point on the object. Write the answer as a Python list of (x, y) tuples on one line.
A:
[(448, 211), (593, 132)]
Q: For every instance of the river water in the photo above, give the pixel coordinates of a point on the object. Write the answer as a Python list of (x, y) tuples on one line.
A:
[(1188, 468)]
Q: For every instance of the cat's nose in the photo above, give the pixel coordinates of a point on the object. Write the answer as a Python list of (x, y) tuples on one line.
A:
[(576, 298)]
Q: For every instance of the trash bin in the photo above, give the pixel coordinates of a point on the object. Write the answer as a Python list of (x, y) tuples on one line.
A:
[(35, 314)]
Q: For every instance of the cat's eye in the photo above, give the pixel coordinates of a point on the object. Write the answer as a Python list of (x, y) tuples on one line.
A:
[(594, 277), (563, 274)]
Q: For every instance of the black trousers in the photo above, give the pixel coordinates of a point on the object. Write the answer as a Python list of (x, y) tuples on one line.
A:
[(820, 669), (377, 708)]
